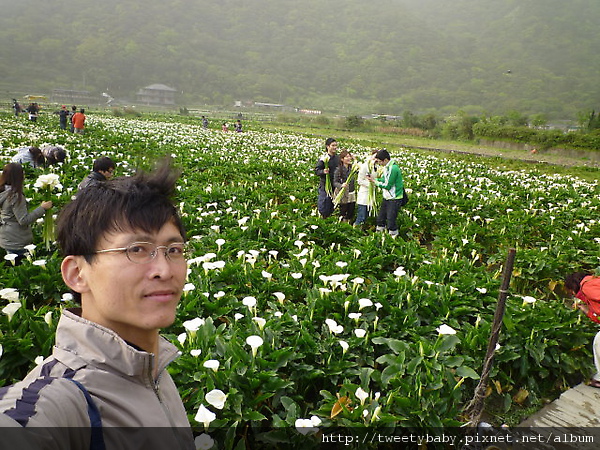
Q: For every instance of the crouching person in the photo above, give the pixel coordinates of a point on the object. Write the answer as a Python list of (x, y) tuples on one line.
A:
[(106, 384)]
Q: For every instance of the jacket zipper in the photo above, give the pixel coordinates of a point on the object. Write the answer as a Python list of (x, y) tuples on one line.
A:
[(156, 389)]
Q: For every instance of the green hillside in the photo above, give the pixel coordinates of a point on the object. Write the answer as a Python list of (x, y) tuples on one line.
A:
[(535, 56)]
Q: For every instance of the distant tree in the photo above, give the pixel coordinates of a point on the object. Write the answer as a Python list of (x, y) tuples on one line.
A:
[(539, 120), (459, 127), (517, 119), (409, 120), (593, 122), (429, 122), (354, 121), (497, 120), (588, 120), (322, 120)]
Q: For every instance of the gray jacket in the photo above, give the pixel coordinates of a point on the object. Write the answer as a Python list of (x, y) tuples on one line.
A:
[(134, 406), (15, 221)]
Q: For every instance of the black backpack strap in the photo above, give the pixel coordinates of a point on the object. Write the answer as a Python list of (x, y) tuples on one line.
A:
[(97, 438)]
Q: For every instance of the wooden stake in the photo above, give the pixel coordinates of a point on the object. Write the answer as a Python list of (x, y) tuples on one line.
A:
[(475, 407)]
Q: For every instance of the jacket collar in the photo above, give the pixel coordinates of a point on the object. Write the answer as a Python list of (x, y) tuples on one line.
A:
[(80, 343), (97, 176)]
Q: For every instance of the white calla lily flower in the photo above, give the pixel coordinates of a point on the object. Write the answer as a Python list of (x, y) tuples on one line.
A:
[(216, 398), (11, 309), (205, 416), (445, 329), (212, 364), (254, 342)]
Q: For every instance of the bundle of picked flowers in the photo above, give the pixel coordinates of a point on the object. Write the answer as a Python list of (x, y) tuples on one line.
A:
[(48, 182), (328, 187), (372, 197), (353, 173)]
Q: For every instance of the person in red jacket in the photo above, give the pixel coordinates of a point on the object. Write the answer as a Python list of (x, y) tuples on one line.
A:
[(78, 121), (586, 287)]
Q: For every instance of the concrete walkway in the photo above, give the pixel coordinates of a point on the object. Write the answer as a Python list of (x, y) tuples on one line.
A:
[(572, 420)]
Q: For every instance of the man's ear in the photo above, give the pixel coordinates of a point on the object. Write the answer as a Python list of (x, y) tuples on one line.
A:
[(73, 273)]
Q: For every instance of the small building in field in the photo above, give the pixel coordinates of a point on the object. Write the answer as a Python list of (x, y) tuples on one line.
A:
[(156, 94), (73, 97), (274, 106)]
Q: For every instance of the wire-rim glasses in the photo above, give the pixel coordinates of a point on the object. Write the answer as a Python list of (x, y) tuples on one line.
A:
[(144, 252)]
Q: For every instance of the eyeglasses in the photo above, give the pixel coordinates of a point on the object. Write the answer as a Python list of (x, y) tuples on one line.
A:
[(144, 252)]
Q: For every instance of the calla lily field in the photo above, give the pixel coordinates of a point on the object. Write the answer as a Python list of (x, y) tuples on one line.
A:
[(290, 322)]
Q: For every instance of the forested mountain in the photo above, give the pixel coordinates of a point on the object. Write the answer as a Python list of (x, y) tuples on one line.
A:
[(534, 56)]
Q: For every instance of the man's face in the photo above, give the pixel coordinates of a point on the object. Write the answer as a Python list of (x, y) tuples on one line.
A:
[(108, 174), (332, 148), (134, 300)]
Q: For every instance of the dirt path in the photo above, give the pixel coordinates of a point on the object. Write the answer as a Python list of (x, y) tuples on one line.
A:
[(537, 157)]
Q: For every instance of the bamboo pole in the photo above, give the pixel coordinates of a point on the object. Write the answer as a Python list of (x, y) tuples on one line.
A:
[(475, 407)]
